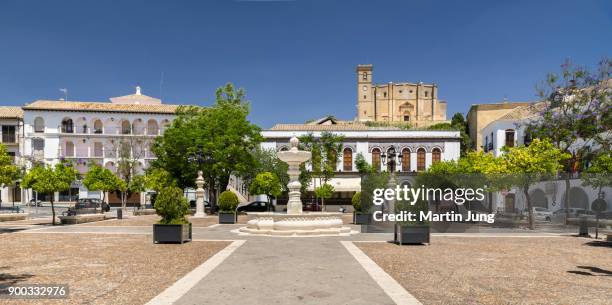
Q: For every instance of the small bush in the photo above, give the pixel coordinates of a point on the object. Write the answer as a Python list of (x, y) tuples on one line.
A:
[(357, 201), (228, 202), (172, 206)]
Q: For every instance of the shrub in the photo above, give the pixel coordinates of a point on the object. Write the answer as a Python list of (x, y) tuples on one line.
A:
[(357, 201), (228, 202), (172, 206)]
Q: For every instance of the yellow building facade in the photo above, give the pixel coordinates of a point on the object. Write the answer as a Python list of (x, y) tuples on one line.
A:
[(414, 103)]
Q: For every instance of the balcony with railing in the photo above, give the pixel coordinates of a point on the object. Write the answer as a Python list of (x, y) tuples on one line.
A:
[(85, 130)]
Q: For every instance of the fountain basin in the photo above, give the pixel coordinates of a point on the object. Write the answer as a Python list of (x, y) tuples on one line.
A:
[(296, 224)]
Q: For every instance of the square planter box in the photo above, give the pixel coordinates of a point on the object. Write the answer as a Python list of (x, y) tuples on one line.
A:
[(411, 234), (171, 233), (363, 219), (227, 218)]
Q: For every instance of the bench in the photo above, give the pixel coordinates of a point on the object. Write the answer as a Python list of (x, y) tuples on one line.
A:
[(608, 234), (81, 218), (13, 216)]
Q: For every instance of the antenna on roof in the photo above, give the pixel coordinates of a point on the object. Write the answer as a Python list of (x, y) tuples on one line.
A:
[(65, 91)]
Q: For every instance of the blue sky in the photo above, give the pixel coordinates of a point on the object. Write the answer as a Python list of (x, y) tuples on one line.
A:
[(296, 59)]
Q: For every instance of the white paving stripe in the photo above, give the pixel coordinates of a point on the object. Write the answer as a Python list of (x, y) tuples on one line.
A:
[(80, 232), (182, 286), (392, 288)]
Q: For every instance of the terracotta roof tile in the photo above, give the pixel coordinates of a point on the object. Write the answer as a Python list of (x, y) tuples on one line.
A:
[(11, 112), (100, 107)]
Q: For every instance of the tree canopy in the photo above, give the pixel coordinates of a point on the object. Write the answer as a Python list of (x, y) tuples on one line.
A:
[(266, 183), (102, 179), (9, 172), (224, 134), (49, 179)]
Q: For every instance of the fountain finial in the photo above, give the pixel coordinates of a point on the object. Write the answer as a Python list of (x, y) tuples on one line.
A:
[(294, 142)]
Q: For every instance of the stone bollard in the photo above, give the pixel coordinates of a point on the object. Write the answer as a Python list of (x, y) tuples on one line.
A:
[(584, 227)]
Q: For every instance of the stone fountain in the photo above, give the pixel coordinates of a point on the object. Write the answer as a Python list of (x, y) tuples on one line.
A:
[(295, 222)]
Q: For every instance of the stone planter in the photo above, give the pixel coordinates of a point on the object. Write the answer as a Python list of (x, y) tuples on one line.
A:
[(163, 233), (363, 219), (227, 218), (13, 216), (144, 212), (411, 234), (81, 218)]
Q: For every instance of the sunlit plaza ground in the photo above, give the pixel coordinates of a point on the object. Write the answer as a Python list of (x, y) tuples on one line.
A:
[(116, 262)]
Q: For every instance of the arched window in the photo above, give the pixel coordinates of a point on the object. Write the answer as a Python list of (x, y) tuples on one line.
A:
[(376, 158), (67, 126), (39, 124), (365, 75), (421, 159), (347, 160), (405, 160), (152, 128), (510, 137), (436, 155), (69, 149), (98, 126), (126, 128), (138, 127)]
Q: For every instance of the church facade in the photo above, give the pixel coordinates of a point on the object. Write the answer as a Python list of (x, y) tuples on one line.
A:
[(413, 103)]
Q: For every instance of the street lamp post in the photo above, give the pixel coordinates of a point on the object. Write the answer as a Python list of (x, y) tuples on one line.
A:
[(200, 159), (391, 157)]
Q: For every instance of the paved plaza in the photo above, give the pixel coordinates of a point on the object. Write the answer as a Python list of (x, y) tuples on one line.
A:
[(223, 267)]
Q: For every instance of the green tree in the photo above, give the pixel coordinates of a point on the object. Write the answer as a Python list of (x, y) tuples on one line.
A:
[(172, 206), (228, 202), (363, 167), (325, 191), (599, 174), (102, 179), (9, 172), (457, 123), (574, 113), (157, 179), (268, 184), (529, 164), (223, 132), (267, 161), (321, 167), (48, 180), (130, 150)]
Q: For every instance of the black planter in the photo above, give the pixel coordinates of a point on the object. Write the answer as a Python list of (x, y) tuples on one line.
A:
[(363, 219), (414, 234), (227, 218), (171, 233)]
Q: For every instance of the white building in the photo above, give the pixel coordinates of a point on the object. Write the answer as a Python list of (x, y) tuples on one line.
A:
[(509, 130), (92, 132), (418, 149), (11, 136)]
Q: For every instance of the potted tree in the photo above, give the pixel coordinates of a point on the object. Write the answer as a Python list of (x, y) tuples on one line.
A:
[(228, 202), (174, 227), (359, 217), (412, 232)]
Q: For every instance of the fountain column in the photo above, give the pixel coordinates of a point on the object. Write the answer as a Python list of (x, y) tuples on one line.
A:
[(294, 205)]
